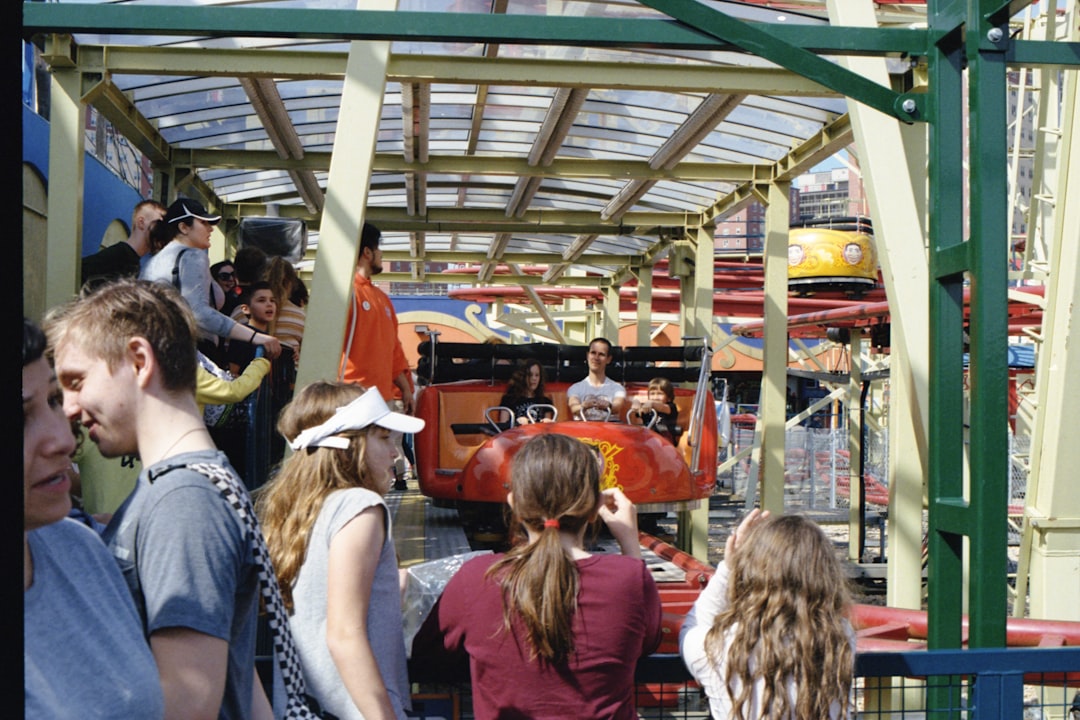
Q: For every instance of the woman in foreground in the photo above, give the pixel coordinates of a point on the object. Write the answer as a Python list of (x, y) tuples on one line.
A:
[(328, 531), (769, 636), (551, 630), (85, 655)]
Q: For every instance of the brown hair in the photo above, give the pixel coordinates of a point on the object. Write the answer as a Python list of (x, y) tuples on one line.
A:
[(787, 619), (285, 283), (103, 321), (663, 385), (519, 381), (289, 504), (553, 478)]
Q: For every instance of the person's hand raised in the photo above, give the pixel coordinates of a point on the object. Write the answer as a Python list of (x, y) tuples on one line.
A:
[(620, 516), (732, 545)]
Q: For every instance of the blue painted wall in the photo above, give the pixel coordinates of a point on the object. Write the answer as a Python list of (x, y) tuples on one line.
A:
[(105, 196)]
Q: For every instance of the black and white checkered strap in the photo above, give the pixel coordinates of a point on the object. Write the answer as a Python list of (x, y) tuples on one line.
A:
[(299, 705)]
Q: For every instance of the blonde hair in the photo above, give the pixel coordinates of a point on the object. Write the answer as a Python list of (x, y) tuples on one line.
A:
[(106, 318), (289, 504), (553, 478), (787, 608), (281, 275)]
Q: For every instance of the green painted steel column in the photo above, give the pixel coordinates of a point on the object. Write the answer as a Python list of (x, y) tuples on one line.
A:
[(980, 515), (945, 452), (987, 40)]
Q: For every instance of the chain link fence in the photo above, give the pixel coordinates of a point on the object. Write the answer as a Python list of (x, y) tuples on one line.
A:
[(817, 467)]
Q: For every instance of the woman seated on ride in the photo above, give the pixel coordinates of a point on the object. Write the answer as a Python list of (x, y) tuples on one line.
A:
[(84, 654), (660, 400), (769, 636), (551, 630), (179, 243), (328, 532), (526, 389)]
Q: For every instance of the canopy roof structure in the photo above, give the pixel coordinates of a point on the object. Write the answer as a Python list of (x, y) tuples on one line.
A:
[(592, 152)]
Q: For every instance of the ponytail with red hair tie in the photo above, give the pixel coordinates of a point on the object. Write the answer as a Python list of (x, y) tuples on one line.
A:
[(551, 523)]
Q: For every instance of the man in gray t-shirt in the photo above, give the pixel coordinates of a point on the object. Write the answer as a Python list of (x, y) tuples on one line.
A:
[(597, 397), (125, 359)]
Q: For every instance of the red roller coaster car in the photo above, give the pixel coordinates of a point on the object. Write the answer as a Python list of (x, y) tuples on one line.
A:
[(464, 452)]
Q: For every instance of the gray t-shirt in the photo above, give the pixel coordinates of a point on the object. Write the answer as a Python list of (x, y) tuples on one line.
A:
[(186, 557), (195, 280), (85, 655), (596, 400), (384, 620)]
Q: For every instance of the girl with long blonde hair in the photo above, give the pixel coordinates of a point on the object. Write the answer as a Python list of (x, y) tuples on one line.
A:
[(551, 630), (769, 636), (328, 532)]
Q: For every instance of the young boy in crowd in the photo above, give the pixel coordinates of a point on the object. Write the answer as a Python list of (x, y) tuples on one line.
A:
[(258, 304)]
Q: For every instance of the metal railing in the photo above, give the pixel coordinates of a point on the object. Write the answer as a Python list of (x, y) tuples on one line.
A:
[(1005, 684)]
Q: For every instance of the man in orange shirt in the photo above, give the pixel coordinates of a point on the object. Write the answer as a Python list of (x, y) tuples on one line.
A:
[(373, 355)]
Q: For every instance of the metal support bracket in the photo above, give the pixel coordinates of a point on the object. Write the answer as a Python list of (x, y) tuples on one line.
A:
[(762, 43)]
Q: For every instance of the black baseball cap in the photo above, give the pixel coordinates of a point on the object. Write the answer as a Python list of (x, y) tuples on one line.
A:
[(188, 209)]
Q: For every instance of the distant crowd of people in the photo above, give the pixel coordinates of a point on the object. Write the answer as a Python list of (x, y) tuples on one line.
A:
[(152, 612)]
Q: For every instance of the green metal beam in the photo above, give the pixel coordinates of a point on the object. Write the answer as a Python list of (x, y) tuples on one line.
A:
[(762, 43), (1026, 53), (218, 21), (481, 165), (974, 508), (988, 373), (524, 72), (946, 440)]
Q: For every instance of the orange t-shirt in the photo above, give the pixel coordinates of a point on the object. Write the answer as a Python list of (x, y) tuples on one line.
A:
[(375, 357)]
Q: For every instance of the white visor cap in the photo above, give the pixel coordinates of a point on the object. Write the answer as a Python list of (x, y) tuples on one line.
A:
[(366, 410)]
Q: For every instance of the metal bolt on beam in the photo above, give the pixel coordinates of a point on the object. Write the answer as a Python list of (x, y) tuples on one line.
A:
[(908, 106), (994, 35)]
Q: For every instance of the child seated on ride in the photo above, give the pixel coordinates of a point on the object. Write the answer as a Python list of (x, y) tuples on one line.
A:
[(660, 400), (551, 630), (769, 636), (526, 388)]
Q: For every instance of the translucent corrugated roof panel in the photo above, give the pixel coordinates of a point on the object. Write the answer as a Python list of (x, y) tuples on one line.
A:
[(469, 126)]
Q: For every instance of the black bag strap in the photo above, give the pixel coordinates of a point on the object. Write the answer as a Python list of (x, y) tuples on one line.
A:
[(299, 705), (176, 276), (176, 271)]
